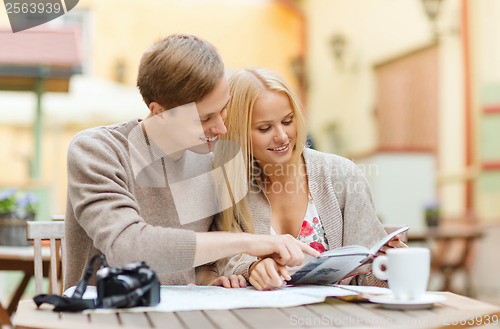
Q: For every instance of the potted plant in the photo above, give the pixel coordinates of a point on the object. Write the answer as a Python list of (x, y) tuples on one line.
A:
[(8, 204), (15, 210), (27, 206), (432, 213)]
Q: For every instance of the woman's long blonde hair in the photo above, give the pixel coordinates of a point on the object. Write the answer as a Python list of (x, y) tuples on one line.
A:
[(246, 86)]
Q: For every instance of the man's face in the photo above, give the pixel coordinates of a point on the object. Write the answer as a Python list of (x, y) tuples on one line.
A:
[(194, 126), (212, 113)]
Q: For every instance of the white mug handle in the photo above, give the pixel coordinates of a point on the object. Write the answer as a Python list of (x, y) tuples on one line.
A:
[(377, 267)]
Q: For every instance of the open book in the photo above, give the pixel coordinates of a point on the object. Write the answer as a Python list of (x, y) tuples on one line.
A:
[(333, 265)]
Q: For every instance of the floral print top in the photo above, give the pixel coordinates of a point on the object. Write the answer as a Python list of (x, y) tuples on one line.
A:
[(312, 232)]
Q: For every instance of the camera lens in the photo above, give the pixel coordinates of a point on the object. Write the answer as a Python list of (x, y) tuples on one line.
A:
[(103, 272), (128, 282)]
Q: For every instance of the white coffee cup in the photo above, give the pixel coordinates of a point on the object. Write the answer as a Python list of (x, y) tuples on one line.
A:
[(407, 271)]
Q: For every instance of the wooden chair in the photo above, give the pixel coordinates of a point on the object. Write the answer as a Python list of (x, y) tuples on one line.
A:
[(4, 317), (452, 246), (54, 232)]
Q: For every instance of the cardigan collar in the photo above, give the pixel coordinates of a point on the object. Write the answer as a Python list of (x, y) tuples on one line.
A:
[(323, 195), (320, 181)]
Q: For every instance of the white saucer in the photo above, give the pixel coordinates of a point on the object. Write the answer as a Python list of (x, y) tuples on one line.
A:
[(390, 302)]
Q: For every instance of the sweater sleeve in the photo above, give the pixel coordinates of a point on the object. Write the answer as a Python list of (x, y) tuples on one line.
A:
[(361, 224), (260, 209), (106, 208), (237, 265)]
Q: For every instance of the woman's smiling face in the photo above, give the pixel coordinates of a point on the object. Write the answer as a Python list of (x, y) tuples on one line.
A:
[(273, 129)]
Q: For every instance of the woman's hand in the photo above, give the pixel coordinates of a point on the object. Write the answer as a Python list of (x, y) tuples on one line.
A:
[(209, 276), (233, 281), (395, 242), (265, 274)]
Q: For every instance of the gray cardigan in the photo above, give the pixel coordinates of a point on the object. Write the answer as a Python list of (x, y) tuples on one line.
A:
[(126, 215), (344, 202)]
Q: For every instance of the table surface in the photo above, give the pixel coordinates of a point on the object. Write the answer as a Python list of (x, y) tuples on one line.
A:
[(456, 311), (13, 258)]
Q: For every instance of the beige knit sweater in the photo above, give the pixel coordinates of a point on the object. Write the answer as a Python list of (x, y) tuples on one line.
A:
[(126, 215), (345, 206)]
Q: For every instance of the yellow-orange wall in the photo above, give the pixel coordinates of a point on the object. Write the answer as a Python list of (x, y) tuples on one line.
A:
[(246, 33)]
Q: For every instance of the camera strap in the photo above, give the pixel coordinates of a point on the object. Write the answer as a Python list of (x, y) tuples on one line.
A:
[(75, 303), (63, 303)]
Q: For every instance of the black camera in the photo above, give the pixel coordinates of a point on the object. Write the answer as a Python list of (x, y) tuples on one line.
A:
[(132, 285)]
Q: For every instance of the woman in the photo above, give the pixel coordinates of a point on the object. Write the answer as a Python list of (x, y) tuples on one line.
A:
[(321, 199)]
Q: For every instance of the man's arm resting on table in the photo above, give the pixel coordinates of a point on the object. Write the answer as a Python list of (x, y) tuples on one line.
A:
[(285, 249)]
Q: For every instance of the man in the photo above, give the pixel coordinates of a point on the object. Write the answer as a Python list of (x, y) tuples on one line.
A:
[(124, 180)]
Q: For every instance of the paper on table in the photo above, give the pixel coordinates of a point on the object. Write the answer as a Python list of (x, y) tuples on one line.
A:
[(190, 298), (90, 292), (336, 290), (217, 298)]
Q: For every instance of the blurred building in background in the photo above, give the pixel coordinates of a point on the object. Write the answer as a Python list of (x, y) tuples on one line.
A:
[(113, 36), (414, 91)]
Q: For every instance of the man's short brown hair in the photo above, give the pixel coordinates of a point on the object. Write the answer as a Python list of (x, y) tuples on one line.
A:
[(179, 70)]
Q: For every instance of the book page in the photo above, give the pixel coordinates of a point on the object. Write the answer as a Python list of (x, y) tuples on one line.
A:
[(333, 265), (346, 250), (329, 269)]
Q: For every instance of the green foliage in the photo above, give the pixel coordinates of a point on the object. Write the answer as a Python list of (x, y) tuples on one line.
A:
[(21, 204), (8, 202)]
